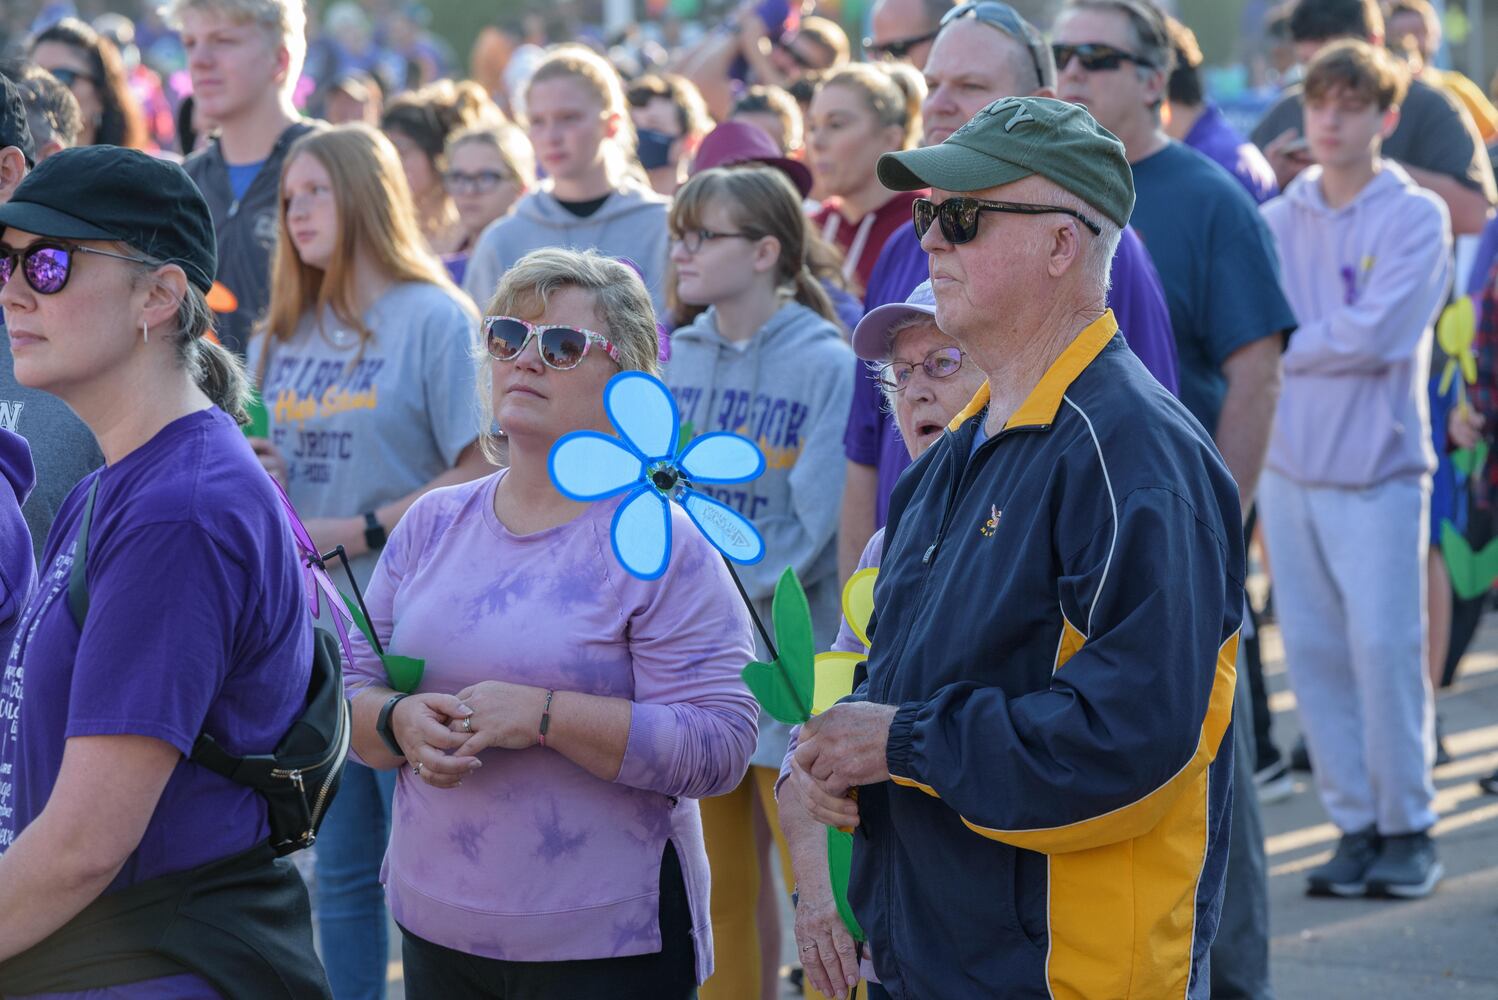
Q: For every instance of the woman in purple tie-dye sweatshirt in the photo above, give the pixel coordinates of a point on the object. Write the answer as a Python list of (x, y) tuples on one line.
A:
[(563, 859)]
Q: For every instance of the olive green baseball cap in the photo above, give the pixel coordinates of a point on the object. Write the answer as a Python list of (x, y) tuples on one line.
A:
[(1015, 138)]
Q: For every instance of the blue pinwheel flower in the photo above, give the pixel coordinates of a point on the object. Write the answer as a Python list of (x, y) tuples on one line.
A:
[(645, 461)]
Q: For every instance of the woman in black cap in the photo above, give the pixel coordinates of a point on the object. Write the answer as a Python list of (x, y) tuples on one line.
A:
[(194, 620)]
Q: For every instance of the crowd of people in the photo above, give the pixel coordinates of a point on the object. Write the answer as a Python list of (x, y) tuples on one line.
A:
[(1014, 313)]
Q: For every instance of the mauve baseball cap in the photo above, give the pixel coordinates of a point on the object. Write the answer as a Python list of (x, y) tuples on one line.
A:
[(733, 143)]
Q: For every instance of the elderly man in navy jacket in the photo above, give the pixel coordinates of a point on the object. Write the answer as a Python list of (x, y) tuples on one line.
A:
[(1040, 748)]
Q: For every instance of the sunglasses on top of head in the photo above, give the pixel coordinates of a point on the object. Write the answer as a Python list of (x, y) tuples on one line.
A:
[(1007, 20), (47, 265), (1095, 56), (560, 347), (959, 216)]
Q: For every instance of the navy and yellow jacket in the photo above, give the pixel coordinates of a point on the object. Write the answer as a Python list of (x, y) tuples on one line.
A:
[(1056, 616)]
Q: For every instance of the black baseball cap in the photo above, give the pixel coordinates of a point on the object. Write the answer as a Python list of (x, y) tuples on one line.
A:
[(111, 193), (15, 130)]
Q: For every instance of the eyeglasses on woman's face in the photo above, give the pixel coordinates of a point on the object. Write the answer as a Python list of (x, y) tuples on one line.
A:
[(943, 362)]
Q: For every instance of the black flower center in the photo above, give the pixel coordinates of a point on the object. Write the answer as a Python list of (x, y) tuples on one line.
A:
[(664, 479)]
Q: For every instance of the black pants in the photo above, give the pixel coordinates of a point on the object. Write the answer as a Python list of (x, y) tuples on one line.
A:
[(433, 972)]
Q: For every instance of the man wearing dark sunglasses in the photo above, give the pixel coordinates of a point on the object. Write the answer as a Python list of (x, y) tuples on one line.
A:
[(63, 450), (985, 51), (1058, 603), (903, 30), (1231, 320)]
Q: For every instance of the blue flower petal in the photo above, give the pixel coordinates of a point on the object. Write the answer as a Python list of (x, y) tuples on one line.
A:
[(641, 534), (721, 457), (642, 409), (587, 465), (732, 533)]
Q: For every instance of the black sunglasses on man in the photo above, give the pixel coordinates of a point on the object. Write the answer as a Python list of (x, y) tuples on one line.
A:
[(1007, 20)]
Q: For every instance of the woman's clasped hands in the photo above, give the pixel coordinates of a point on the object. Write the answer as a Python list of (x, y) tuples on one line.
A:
[(444, 733)]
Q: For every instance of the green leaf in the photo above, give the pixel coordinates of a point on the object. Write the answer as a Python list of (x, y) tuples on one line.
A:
[(1470, 461), (839, 866), (793, 637), (767, 681), (1472, 573), (685, 437), (404, 672)]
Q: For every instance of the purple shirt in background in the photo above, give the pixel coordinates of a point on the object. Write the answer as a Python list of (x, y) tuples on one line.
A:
[(1136, 298), (17, 564), (197, 621), (533, 858), (1214, 137)]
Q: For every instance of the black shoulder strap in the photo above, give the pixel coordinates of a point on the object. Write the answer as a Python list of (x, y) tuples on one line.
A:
[(78, 579)]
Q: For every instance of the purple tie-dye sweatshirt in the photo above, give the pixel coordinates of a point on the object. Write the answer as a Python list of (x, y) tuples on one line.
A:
[(533, 858)]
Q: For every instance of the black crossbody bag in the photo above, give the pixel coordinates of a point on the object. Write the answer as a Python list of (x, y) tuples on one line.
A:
[(242, 922), (300, 777)]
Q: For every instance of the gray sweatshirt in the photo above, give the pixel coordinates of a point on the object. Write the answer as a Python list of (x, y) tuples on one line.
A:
[(631, 223), (1366, 282), (789, 390)]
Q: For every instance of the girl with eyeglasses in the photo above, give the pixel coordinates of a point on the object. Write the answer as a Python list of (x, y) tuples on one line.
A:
[(419, 125), (768, 361), (546, 839), (596, 195), (363, 367), (488, 169)]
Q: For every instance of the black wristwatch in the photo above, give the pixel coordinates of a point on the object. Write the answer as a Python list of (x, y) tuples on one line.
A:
[(382, 724), (374, 532)]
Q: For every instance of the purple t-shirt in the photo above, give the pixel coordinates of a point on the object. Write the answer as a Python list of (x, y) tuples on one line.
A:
[(534, 859), (196, 622), (17, 564), (1214, 137), (1136, 298)]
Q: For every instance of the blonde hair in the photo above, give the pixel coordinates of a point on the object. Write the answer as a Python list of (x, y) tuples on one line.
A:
[(894, 102), (761, 202), (577, 62), (375, 217), (285, 21), (619, 296), (508, 141)]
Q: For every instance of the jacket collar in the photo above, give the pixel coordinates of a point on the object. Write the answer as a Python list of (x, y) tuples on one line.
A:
[(1039, 408)]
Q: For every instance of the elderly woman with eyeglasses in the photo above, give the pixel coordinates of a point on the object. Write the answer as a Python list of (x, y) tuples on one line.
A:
[(546, 838), (928, 381)]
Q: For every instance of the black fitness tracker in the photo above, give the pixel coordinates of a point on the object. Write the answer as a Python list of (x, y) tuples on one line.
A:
[(382, 724), (374, 532)]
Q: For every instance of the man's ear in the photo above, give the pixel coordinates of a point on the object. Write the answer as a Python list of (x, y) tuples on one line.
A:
[(1066, 248), (12, 171)]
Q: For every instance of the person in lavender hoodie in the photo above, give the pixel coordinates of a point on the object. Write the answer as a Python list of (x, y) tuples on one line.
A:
[(1346, 488), (546, 839)]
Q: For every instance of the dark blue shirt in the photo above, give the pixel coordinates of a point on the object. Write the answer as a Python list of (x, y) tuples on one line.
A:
[(1217, 263)]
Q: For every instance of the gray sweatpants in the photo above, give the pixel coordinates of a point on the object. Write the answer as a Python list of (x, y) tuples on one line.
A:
[(1349, 586)]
